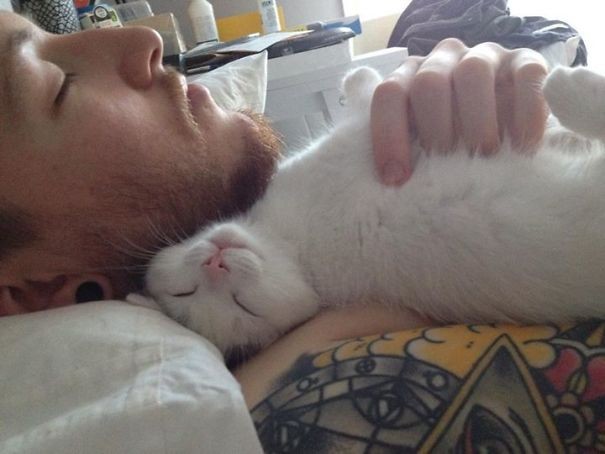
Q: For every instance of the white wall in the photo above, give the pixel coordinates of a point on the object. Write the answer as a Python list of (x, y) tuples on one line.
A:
[(369, 10), (376, 34), (5, 5), (586, 16), (378, 19)]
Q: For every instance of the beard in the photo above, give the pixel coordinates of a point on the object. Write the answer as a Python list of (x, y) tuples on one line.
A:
[(201, 197), (250, 180), (138, 214)]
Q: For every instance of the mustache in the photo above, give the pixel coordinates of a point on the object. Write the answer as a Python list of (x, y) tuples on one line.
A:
[(172, 83)]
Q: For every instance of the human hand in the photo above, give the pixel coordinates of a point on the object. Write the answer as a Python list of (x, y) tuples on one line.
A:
[(457, 95)]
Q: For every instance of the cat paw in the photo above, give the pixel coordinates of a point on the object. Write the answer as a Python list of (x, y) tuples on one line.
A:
[(137, 299), (228, 235), (576, 96), (359, 84)]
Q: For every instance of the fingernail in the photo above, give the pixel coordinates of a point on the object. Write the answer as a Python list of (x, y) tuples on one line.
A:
[(394, 173)]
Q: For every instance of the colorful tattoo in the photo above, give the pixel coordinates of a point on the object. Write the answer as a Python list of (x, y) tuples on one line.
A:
[(458, 389)]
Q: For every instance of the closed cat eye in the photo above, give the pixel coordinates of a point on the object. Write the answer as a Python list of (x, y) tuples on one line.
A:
[(242, 306), (181, 295)]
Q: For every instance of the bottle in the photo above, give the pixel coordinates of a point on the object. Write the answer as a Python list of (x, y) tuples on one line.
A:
[(269, 15), (201, 14), (54, 16)]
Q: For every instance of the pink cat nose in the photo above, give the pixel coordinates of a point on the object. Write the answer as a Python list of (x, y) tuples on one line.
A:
[(215, 266)]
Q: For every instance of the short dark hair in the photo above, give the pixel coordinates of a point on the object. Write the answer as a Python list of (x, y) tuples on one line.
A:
[(16, 229)]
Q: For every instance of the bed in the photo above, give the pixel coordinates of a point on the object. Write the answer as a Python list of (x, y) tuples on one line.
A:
[(110, 377)]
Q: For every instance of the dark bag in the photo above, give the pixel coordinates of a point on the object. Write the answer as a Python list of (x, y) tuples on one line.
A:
[(426, 22)]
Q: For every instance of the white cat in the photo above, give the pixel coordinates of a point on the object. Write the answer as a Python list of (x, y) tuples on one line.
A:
[(515, 237)]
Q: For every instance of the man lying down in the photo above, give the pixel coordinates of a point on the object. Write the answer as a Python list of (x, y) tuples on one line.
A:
[(81, 209)]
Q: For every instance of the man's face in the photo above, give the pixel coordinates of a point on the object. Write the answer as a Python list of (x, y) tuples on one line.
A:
[(108, 153)]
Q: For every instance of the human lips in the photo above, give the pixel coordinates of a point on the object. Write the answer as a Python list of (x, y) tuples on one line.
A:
[(193, 100), (199, 97), (176, 86)]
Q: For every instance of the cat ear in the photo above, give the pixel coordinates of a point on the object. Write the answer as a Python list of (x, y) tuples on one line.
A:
[(30, 295)]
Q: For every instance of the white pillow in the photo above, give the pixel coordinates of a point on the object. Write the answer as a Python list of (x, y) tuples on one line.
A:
[(110, 377), (241, 84)]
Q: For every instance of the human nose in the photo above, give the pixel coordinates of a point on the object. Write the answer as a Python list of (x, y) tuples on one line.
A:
[(141, 56), (135, 53)]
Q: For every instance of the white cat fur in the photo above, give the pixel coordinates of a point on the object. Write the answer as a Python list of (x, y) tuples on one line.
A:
[(511, 238)]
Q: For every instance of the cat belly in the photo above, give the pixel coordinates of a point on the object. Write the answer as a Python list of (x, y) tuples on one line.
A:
[(510, 238), (465, 240)]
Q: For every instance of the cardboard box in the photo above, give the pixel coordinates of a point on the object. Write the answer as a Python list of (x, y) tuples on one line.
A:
[(233, 27), (168, 27)]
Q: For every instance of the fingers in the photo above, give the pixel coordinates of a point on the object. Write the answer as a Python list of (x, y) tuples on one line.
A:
[(391, 143), (530, 111), (474, 81), (478, 95), (456, 94), (431, 96)]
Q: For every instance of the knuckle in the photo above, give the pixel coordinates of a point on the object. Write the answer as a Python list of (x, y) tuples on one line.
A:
[(414, 60), (429, 81), (525, 52), (533, 70), (529, 57), (391, 88), (517, 53), (409, 65), (492, 47), (473, 68), (451, 43)]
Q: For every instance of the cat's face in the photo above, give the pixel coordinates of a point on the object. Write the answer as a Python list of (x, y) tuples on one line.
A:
[(231, 286)]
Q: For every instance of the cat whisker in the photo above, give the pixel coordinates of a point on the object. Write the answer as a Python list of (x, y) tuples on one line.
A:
[(163, 238), (178, 234), (128, 248), (129, 268)]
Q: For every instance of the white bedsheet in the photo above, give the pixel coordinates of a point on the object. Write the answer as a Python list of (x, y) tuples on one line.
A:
[(113, 378)]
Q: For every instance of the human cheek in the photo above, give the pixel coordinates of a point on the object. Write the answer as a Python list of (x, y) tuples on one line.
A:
[(94, 149), (116, 125)]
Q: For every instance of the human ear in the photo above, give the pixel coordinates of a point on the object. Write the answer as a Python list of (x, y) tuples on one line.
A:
[(30, 295)]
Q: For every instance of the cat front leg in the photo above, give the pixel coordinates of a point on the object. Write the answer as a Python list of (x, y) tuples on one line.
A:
[(137, 299), (576, 96), (358, 86)]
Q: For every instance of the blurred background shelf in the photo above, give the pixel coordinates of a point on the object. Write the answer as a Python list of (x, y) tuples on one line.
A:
[(304, 102)]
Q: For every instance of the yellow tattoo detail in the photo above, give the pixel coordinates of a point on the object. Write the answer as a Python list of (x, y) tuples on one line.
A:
[(453, 348)]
